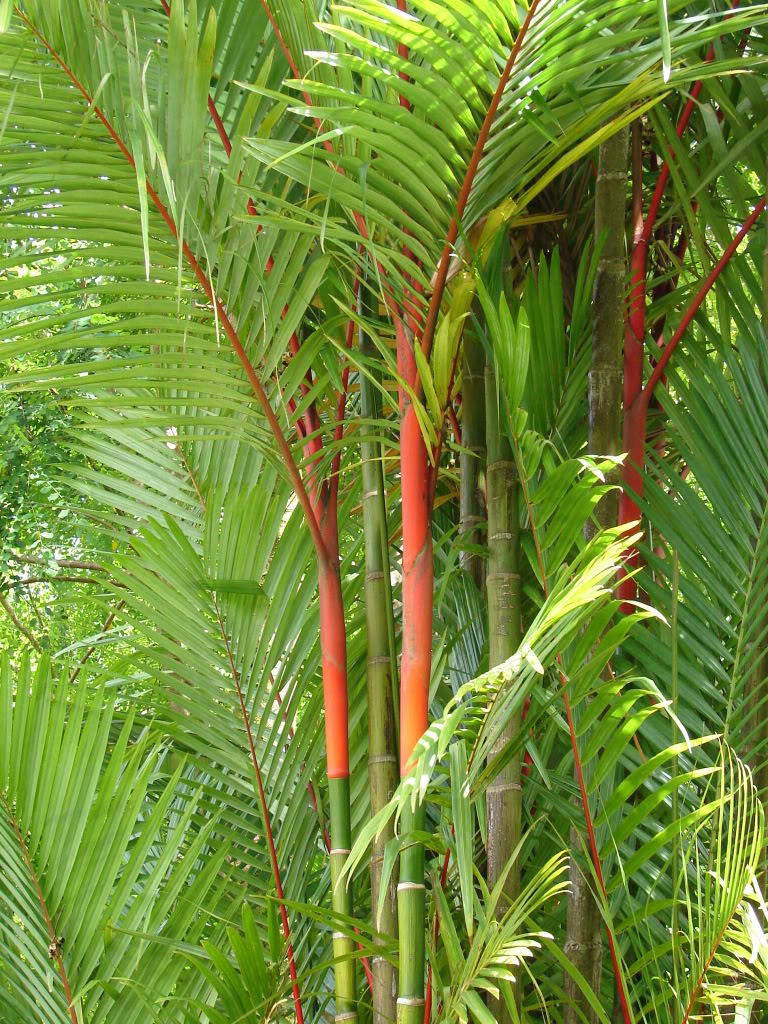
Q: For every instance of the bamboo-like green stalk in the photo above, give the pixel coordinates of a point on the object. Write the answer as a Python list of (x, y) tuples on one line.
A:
[(584, 930), (343, 944), (411, 914), (472, 458), (504, 796), (334, 655), (382, 740)]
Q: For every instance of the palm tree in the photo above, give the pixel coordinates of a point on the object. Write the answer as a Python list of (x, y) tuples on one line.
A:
[(273, 299)]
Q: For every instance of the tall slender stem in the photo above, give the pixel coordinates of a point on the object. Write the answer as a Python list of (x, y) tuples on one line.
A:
[(334, 657), (418, 575), (584, 933), (504, 796), (382, 757), (635, 406)]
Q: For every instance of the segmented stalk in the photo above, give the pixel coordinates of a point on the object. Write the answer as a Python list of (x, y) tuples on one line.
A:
[(584, 929), (382, 757), (343, 944), (504, 796), (411, 912), (334, 654)]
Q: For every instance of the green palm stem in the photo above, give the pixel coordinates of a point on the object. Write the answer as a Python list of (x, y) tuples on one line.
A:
[(382, 740), (472, 458), (584, 929), (504, 796), (411, 922), (418, 577), (333, 644)]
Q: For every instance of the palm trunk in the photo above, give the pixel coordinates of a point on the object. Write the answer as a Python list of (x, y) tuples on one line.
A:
[(382, 759), (584, 938), (334, 653), (472, 461), (418, 574), (504, 796)]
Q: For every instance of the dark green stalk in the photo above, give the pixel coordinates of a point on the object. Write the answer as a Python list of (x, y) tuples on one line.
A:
[(504, 796), (584, 929), (411, 912), (382, 741), (472, 461), (343, 944)]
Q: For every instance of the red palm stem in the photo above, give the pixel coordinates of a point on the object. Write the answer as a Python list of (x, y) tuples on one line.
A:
[(469, 177), (205, 284), (595, 856), (44, 907)]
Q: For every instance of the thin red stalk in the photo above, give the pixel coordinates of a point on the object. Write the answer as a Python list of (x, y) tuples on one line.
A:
[(635, 417), (43, 906), (683, 240), (663, 177), (661, 183), (577, 759), (211, 106), (469, 177), (682, 124), (324, 524), (635, 409), (311, 425), (254, 760), (389, 299), (281, 41), (267, 824), (643, 231), (666, 355), (695, 996), (205, 284), (300, 428), (454, 425)]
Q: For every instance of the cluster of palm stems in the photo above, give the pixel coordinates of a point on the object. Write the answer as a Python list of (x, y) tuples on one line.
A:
[(365, 291)]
